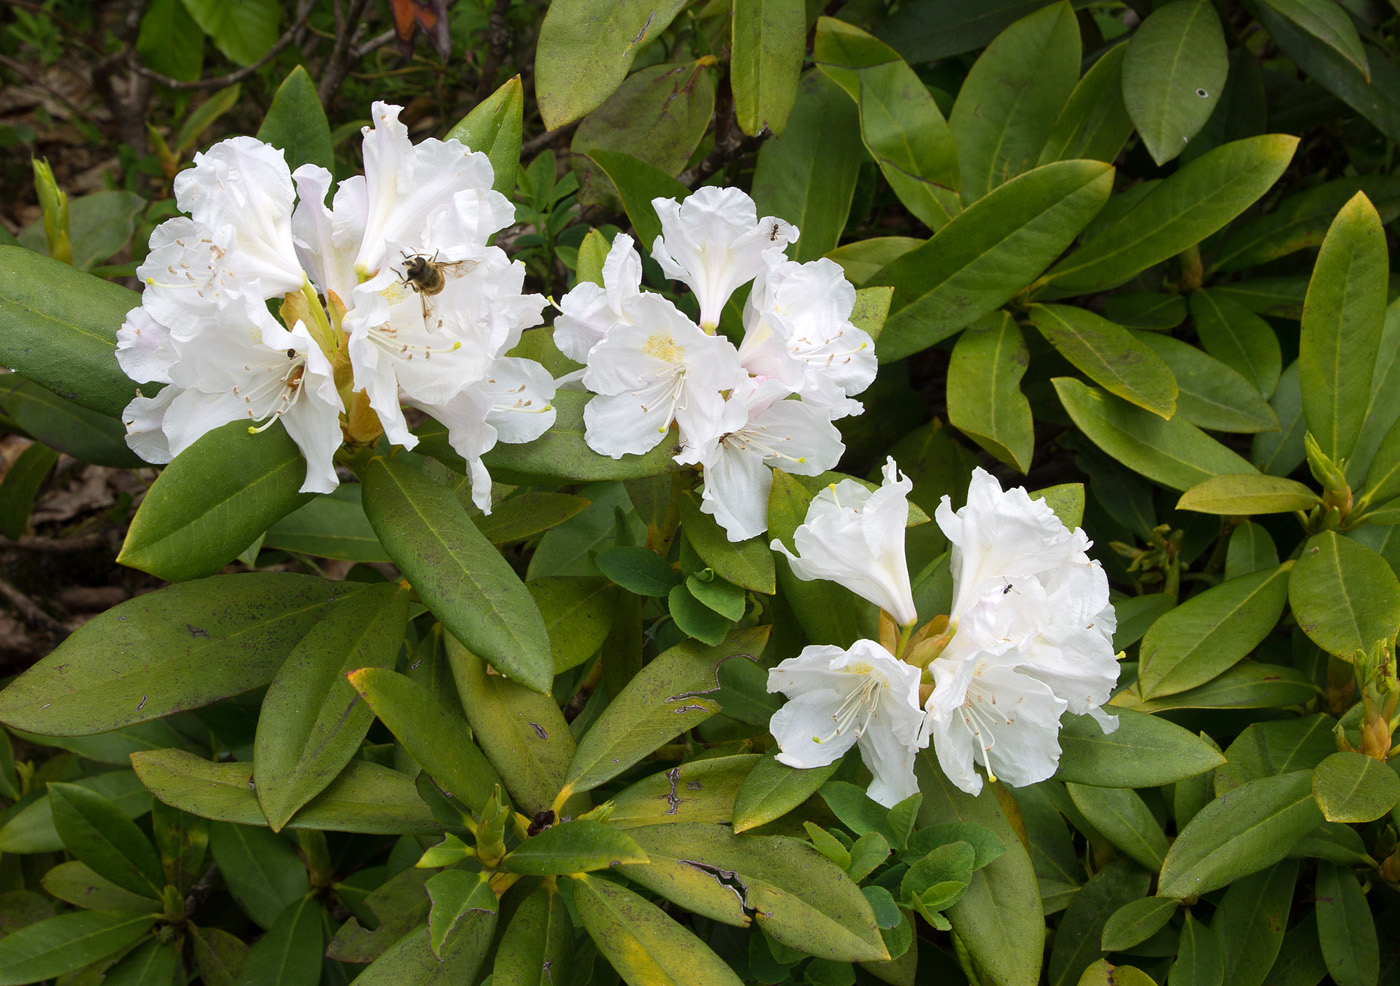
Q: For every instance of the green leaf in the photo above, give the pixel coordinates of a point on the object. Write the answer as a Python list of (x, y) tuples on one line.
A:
[(524, 515), (1344, 595), (457, 573), (1381, 411), (1345, 927), (638, 570), (78, 884), (538, 940), (773, 789), (637, 183), (312, 722), (290, 953), (988, 254), (170, 41), (985, 401), (1174, 453), (1198, 962), (1211, 632), (183, 840), (23, 479), (1329, 24), (798, 897), (261, 869), (862, 259), (1108, 354), (464, 913), (204, 115), (695, 791), (642, 942), (1342, 321), (1134, 922), (1279, 453), (1240, 832), (86, 435), (218, 955), (243, 31), (1249, 922), (1238, 338), (1008, 105), (999, 919), (1076, 945), (1245, 686), (826, 612), (1177, 213), (808, 175), (1245, 494), (30, 828), (767, 48), (494, 127), (1124, 819), (1383, 477), (202, 511), (578, 613), (574, 847), (410, 961), (59, 329), (329, 526), (745, 563), (100, 225), (70, 941), (695, 619), (1173, 74), (1251, 550), (1094, 123), (364, 798), (900, 124), (522, 733), (181, 647), (296, 123), (585, 48), (150, 964), (664, 699), (98, 834), (1352, 787), (1144, 751), (1212, 395)]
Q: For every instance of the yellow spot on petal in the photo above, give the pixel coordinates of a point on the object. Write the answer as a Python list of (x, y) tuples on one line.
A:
[(663, 347)]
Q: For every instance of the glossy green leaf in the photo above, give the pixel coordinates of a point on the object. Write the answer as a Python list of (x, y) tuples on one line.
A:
[(808, 174), (745, 563), (330, 526), (364, 798), (900, 124), (1008, 105), (862, 259), (1352, 787), (638, 570), (1244, 494), (1245, 686), (1383, 477), (98, 834), (1250, 920), (1177, 213), (1251, 549), (988, 254), (30, 828), (637, 182), (1279, 453), (177, 648), (1173, 74), (1212, 395), (1174, 453), (1094, 123), (538, 940), (985, 401), (665, 698), (1328, 23), (69, 941), (170, 41), (1211, 632), (1240, 832), (68, 427), (21, 484), (1123, 818), (80, 885), (695, 791), (798, 897), (261, 870), (464, 914), (1109, 355), (243, 31), (560, 454), (642, 942), (183, 841), (1381, 411), (151, 964), (494, 127), (1102, 973), (1135, 921), (218, 955), (695, 618), (773, 789), (1344, 595), (574, 847), (296, 123), (1198, 961), (1076, 945), (1346, 928), (1238, 338), (59, 327), (999, 918), (1342, 321), (100, 224), (290, 953), (312, 722), (578, 615), (766, 43), (522, 733), (202, 511), (585, 48), (457, 573), (1144, 751)]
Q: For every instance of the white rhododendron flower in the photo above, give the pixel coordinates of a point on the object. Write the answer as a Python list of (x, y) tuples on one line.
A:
[(1031, 636), (589, 310), (855, 537), (714, 242), (841, 698), (393, 289)]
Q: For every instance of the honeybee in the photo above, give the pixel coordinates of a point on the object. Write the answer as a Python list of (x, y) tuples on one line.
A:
[(428, 277)]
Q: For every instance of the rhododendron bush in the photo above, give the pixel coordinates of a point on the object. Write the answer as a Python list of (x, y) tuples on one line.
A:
[(941, 533)]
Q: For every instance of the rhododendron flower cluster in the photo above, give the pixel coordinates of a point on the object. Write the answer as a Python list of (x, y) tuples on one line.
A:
[(388, 296), (739, 411), (1029, 636)]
